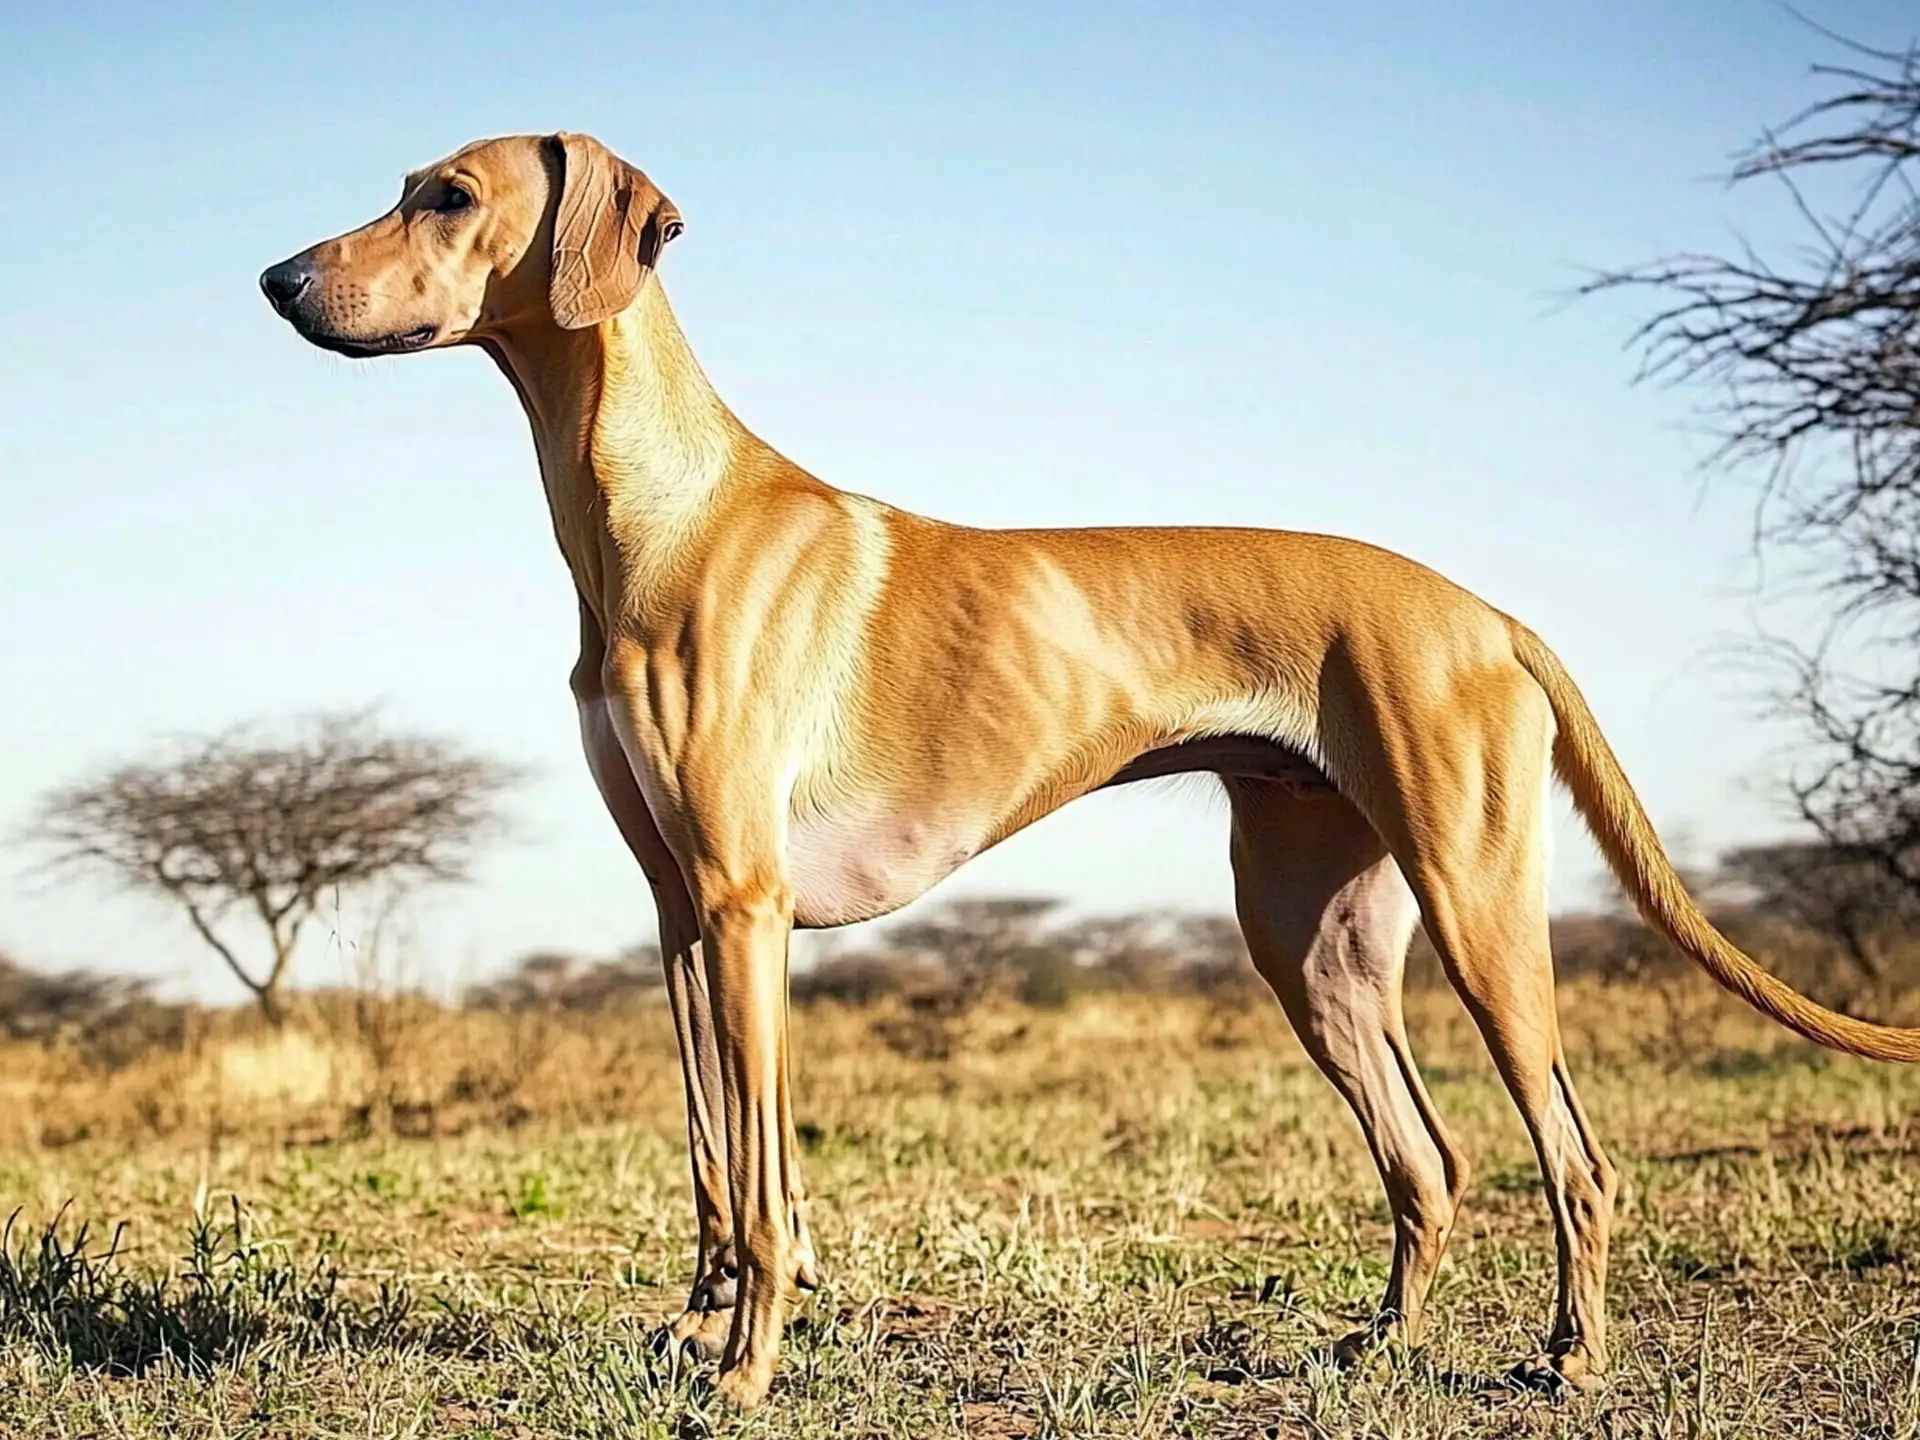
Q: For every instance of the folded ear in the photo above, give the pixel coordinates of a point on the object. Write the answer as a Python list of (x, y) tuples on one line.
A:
[(609, 226)]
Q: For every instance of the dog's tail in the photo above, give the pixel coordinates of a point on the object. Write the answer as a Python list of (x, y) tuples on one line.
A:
[(1586, 764)]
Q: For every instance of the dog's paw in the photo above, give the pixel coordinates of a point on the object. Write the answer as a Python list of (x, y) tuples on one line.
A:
[(1555, 1375), (1371, 1340), (744, 1387), (701, 1334)]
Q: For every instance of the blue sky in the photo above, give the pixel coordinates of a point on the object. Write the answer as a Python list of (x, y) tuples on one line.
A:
[(1262, 264)]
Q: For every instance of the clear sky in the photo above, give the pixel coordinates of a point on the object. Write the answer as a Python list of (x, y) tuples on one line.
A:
[(1268, 264)]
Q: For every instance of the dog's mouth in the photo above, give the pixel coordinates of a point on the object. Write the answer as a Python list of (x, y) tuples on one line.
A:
[(357, 347)]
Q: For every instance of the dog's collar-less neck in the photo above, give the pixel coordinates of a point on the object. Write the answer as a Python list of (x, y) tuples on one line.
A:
[(633, 442)]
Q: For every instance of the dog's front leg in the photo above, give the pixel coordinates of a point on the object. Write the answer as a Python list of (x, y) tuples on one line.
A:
[(746, 921), (703, 1325)]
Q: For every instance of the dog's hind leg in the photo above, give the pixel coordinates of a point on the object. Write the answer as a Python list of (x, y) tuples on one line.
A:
[(1327, 918), (1499, 961), (1469, 821)]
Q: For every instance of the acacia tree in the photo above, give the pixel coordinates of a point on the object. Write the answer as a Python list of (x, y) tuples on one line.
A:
[(1809, 360), (270, 827)]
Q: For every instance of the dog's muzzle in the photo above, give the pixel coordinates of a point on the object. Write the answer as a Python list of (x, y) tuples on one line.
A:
[(294, 290)]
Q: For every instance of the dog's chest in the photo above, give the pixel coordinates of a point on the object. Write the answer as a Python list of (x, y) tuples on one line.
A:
[(851, 866)]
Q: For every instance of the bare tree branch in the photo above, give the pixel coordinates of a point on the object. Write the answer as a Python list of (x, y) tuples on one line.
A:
[(1811, 366)]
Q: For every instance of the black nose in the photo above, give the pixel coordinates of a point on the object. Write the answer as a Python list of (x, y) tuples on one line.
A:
[(286, 282)]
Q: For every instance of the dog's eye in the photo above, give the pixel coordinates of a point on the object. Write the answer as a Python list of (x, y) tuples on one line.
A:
[(455, 199)]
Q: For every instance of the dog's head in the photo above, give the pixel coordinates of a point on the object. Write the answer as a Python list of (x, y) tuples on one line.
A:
[(552, 230)]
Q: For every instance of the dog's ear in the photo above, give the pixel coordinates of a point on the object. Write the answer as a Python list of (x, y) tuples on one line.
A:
[(609, 226)]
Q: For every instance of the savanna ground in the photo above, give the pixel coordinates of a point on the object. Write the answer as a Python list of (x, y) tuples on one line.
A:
[(1134, 1215)]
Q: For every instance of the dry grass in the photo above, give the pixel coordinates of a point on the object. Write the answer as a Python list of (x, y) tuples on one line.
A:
[(1136, 1216)]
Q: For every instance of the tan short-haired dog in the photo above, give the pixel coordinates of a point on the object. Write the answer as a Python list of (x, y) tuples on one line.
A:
[(805, 707)]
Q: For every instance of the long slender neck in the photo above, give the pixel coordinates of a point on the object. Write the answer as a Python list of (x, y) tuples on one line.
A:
[(634, 445)]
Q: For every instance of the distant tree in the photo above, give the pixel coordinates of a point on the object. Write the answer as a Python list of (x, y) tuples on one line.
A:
[(1125, 952), (1213, 953), (984, 943), (35, 1004), (269, 827), (1847, 899), (861, 975), (1160, 950), (555, 980), (1812, 363)]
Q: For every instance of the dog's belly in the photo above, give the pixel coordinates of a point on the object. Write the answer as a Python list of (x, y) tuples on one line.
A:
[(850, 868), (845, 868)]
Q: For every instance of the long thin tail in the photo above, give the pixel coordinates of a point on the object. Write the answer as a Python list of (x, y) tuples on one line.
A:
[(1586, 764)]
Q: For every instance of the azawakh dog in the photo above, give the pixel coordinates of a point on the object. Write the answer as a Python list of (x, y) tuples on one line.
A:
[(805, 707)]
